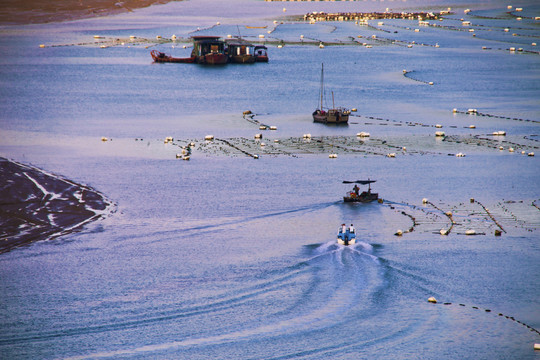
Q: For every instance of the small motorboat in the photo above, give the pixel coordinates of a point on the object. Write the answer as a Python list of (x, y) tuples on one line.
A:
[(364, 196), (346, 235), (261, 53)]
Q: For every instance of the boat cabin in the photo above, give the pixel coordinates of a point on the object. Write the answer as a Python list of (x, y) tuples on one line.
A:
[(240, 51), (261, 53), (209, 50), (203, 45)]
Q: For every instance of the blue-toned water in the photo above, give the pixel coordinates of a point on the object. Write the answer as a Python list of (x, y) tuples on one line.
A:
[(224, 256)]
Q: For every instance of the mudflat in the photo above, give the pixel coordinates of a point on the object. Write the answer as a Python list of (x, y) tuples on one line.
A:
[(44, 11), (35, 205)]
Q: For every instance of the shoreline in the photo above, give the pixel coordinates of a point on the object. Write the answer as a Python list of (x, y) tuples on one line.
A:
[(37, 205), (15, 12)]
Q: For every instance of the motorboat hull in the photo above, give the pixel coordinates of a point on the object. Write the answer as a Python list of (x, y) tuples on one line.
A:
[(346, 242), (364, 197), (346, 238)]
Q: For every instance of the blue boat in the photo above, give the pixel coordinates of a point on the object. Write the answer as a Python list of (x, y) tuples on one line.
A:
[(346, 235)]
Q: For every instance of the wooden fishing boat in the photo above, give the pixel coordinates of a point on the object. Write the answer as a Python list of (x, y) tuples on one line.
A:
[(209, 50), (160, 57), (334, 115)]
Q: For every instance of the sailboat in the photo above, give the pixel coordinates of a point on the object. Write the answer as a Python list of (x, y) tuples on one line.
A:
[(330, 116)]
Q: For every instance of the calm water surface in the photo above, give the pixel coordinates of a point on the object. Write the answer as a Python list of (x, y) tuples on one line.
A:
[(231, 257)]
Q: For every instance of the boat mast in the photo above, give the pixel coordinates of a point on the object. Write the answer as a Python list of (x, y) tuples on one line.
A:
[(322, 84)]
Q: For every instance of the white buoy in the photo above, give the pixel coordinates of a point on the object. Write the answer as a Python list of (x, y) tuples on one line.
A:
[(262, 127), (307, 136), (363, 134), (42, 45), (353, 109), (276, 141), (391, 155), (530, 154), (321, 45), (438, 126), (263, 144), (470, 232), (258, 136), (173, 38), (536, 346), (273, 127), (472, 126), (209, 137), (430, 83), (448, 213), (454, 110), (511, 149), (432, 300), (168, 139), (439, 133), (399, 232), (332, 156), (460, 155), (103, 138), (443, 232), (424, 201)]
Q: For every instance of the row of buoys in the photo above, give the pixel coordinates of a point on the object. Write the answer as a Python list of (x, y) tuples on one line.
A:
[(406, 72), (476, 112), (488, 213), (255, 156), (536, 346)]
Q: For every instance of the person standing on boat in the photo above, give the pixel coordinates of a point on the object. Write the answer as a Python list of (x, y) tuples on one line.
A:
[(351, 229), (356, 189)]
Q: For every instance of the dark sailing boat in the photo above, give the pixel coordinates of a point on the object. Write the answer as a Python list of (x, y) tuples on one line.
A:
[(330, 116)]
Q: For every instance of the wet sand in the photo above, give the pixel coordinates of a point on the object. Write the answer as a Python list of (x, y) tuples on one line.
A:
[(43, 11), (36, 205)]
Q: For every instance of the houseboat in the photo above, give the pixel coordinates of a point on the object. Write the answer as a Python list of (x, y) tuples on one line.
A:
[(240, 51), (209, 50)]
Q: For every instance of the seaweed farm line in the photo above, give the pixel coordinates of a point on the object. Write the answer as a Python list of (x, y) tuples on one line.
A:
[(360, 144)]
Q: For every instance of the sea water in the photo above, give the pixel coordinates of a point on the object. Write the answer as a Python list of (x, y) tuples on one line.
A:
[(225, 256)]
